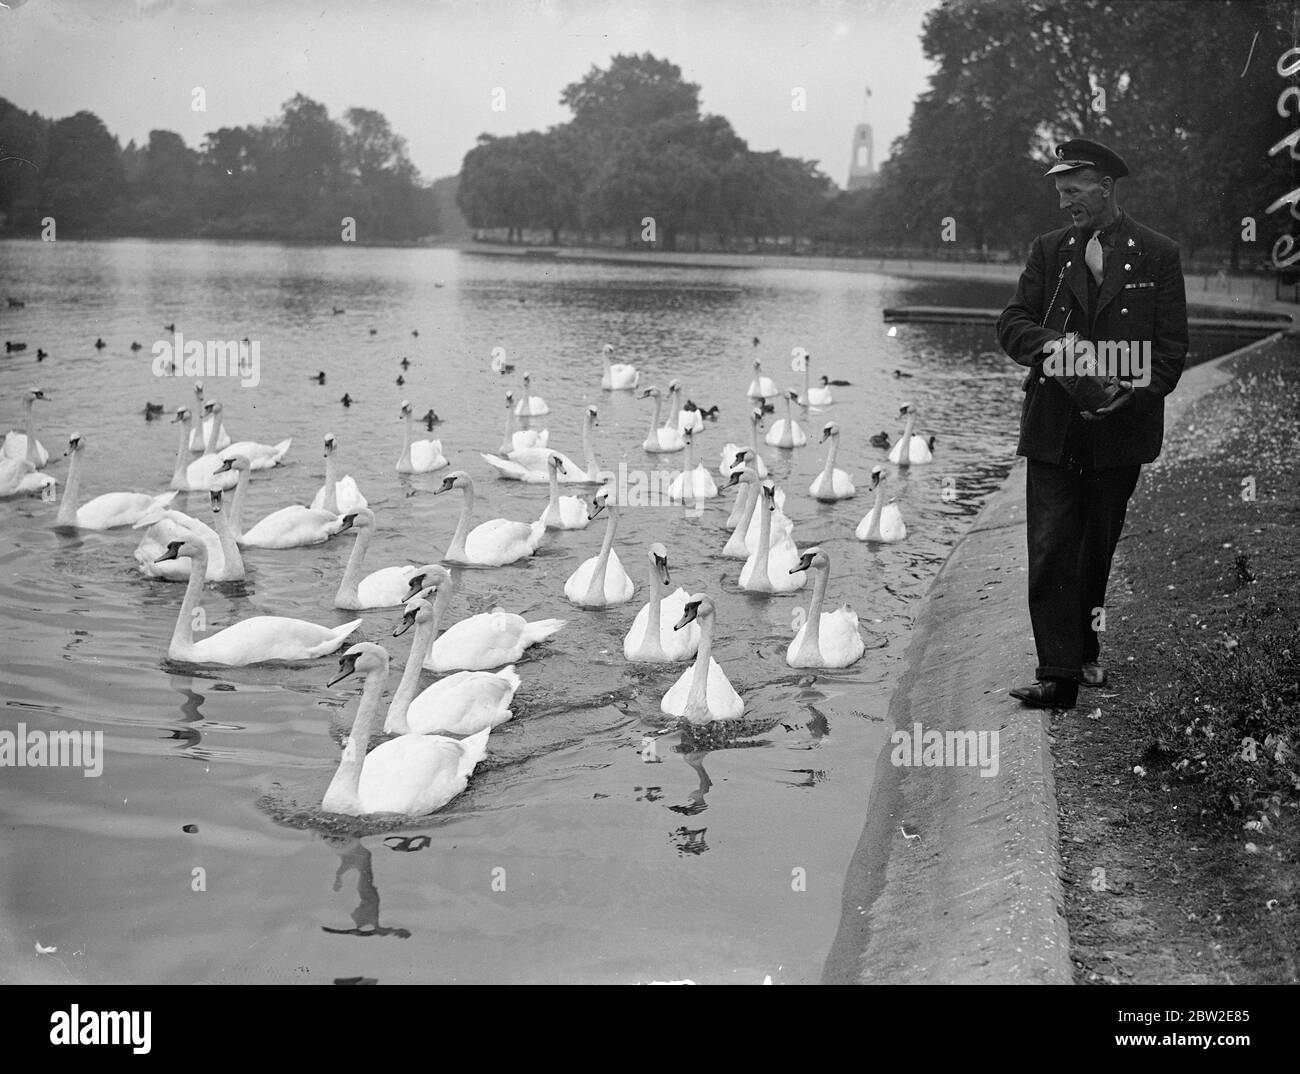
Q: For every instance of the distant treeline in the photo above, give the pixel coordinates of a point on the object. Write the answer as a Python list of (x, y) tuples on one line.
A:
[(294, 177)]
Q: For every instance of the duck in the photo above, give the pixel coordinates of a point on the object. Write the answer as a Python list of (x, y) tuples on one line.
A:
[(170, 327), (884, 522), (563, 512), (136, 345), (107, 511), (703, 694), (205, 471), (152, 410), (259, 456), (401, 380), (731, 452), (462, 703), (484, 641), (911, 450), (347, 400), (494, 543), (652, 639), (405, 363), (880, 440), (201, 435), (25, 445), (533, 406), (617, 376), (430, 419), (660, 440), (41, 354), (519, 439), (708, 413), (533, 465), (337, 495), (319, 378), (384, 588), (826, 639), (693, 484), (294, 526), (225, 564), (14, 348), (260, 639), (785, 432), (767, 570), (418, 456), (831, 484), (411, 774), (761, 387), (100, 344), (601, 580)]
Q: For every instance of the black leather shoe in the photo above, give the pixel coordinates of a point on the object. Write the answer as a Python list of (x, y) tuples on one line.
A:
[(1049, 694), (1094, 675)]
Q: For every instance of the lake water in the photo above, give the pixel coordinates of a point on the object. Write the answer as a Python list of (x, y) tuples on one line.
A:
[(570, 857)]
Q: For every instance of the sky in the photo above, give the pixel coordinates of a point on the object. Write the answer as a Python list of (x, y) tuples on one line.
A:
[(434, 67)]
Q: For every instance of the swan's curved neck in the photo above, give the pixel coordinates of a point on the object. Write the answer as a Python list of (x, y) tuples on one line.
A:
[(421, 643), (183, 452), (674, 405), (342, 795), (761, 575), (689, 464), (807, 379), (33, 456), (813, 635), (907, 435), (553, 505), (507, 444), (331, 503), (71, 491), (456, 550), (352, 573), (750, 494), (653, 620), (237, 502), (832, 448), (596, 587), (753, 428), (226, 534), (213, 434), (698, 698), (589, 453), (182, 645), (653, 435)]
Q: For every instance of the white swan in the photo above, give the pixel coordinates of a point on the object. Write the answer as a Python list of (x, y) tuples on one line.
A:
[(25, 445), (884, 522), (290, 527), (19, 478), (660, 440), (731, 452), (518, 439), (683, 419), (768, 569), (786, 432), (812, 396), (618, 376), (748, 527), (831, 484), (693, 484), (601, 580), (104, 512), (461, 704), (910, 450), (201, 434), (563, 512), (533, 465), (205, 471), (259, 640), (384, 588), (761, 387), (259, 456), (652, 639), (490, 544), (703, 693), (826, 639), (410, 774), (532, 406), (225, 564), (418, 456), (338, 495)]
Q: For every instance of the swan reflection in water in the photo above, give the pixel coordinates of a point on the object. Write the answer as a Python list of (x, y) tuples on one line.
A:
[(354, 854)]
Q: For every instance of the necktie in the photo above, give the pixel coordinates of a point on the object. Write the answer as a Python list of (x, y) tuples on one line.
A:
[(1092, 256)]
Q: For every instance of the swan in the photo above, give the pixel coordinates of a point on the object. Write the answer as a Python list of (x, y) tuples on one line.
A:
[(786, 433), (831, 484), (259, 640), (761, 387), (743, 541), (490, 544), (201, 435), (702, 694), (518, 439), (411, 774), (461, 704), (618, 376), (563, 512), (205, 471), (812, 396), (531, 406), (601, 580), (19, 478), (677, 415), (910, 450), (652, 639), (418, 456), (693, 484), (290, 527), (338, 494), (260, 456), (25, 445), (826, 639), (884, 522), (225, 564), (731, 452), (533, 465), (487, 640), (768, 569), (660, 440), (105, 512), (384, 588)]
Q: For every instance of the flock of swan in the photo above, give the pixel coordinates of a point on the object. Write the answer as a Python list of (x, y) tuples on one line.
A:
[(441, 732)]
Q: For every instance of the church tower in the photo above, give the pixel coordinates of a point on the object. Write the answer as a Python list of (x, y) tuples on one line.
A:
[(862, 164)]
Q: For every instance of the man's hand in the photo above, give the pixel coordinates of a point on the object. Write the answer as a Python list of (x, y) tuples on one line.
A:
[(1119, 403)]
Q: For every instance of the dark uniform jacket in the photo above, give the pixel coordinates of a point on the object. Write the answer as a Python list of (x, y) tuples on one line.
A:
[(1141, 298)]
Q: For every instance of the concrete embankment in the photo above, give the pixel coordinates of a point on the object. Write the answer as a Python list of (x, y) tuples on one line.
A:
[(956, 878)]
